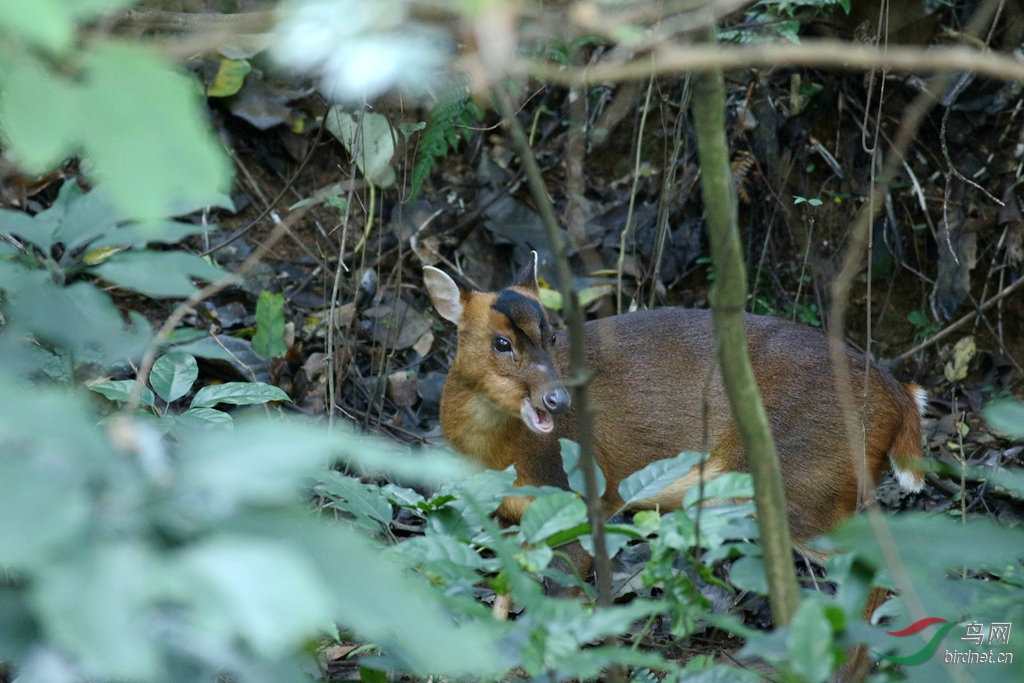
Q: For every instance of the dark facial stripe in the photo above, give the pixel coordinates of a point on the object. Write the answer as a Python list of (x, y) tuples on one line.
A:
[(524, 313)]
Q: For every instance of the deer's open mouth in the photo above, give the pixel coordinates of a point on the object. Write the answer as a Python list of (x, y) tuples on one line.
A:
[(537, 419)]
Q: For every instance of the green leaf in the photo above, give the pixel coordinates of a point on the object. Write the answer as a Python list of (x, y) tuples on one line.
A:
[(1007, 417), (43, 23), (652, 479), (24, 227), (121, 390), (747, 573), (148, 174), (809, 642), (403, 497), (238, 394), (264, 592), (571, 465), (589, 295), (204, 418), (138, 235), (85, 218), (552, 513), (158, 273), (728, 485), (173, 375), (268, 342)]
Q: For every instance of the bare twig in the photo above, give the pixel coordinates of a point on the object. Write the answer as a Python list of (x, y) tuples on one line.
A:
[(953, 327)]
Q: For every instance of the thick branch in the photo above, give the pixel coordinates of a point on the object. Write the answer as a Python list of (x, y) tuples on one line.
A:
[(728, 300)]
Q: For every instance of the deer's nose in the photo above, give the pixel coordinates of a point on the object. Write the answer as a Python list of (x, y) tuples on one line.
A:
[(557, 400)]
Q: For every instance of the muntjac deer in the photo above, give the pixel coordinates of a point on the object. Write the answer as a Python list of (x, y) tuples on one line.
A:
[(503, 403)]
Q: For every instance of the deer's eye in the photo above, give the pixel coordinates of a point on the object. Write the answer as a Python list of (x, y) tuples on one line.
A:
[(502, 345), (552, 338)]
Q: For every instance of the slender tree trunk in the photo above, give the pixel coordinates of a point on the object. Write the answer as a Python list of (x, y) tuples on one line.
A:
[(728, 299)]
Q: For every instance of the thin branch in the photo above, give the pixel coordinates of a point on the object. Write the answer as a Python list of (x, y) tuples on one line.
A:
[(671, 59), (579, 379)]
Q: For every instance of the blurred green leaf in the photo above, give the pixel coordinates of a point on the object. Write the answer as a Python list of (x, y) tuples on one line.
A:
[(440, 548), (268, 342), (173, 374), (1007, 417), (724, 486), (261, 462), (149, 176), (94, 604), (48, 443), (616, 619), (238, 394), (747, 573), (367, 504), (203, 418), (43, 23), (377, 598), (158, 273), (571, 464), (81, 319), (810, 642), (267, 593)]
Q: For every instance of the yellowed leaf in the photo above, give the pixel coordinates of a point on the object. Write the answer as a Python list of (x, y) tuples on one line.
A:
[(230, 77), (963, 352)]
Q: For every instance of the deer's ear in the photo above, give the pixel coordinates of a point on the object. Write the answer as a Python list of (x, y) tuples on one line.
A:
[(444, 293), (527, 275)]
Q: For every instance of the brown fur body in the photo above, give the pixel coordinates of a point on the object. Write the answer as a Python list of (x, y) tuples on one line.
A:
[(649, 373)]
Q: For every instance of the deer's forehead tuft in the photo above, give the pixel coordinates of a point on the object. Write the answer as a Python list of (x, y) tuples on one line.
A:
[(523, 313)]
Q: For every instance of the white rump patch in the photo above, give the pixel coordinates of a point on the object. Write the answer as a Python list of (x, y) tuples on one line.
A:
[(909, 480), (921, 398)]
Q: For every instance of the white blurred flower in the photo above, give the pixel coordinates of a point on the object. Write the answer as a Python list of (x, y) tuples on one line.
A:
[(359, 48)]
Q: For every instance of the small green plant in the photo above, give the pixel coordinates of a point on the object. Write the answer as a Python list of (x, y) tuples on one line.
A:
[(172, 378), (449, 123), (813, 201), (923, 325), (804, 313), (773, 19)]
